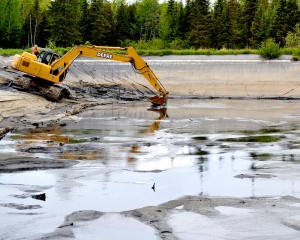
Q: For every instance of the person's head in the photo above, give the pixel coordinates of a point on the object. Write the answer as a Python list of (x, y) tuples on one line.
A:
[(35, 46)]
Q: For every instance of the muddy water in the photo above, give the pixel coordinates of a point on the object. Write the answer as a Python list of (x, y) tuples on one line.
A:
[(235, 148)]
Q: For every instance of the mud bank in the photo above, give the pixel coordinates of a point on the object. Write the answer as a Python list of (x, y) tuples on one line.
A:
[(10, 163), (191, 217)]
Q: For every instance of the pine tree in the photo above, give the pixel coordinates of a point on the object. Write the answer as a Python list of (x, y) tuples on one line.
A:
[(200, 24), (181, 22), (293, 14), (270, 18), (249, 10), (84, 21), (44, 31), (101, 23), (259, 24), (172, 19), (133, 30), (220, 24), (122, 23), (186, 21), (169, 21), (233, 9), (64, 21), (287, 16)]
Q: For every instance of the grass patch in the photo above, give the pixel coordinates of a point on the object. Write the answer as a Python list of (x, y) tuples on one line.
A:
[(196, 52), (11, 52), (260, 139), (151, 52), (262, 131), (74, 141)]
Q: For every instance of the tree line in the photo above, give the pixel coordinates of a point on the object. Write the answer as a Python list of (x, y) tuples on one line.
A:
[(171, 24)]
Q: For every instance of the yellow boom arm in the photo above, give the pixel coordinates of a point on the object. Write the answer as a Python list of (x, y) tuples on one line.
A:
[(57, 70)]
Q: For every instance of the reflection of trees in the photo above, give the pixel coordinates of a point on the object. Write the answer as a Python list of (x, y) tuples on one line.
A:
[(201, 163), (48, 134)]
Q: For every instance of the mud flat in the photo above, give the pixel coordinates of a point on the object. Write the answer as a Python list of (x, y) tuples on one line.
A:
[(223, 168)]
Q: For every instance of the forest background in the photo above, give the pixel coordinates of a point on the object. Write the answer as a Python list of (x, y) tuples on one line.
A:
[(192, 24)]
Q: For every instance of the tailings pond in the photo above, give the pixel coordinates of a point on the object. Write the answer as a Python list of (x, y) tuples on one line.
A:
[(232, 148)]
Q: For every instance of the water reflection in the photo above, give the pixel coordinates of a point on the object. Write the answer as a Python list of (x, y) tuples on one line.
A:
[(73, 147), (132, 148), (193, 137), (162, 115), (49, 135)]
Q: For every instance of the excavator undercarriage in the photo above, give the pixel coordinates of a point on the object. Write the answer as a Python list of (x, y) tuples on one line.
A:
[(50, 91)]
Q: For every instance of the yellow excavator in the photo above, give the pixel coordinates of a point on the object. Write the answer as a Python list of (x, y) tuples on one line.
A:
[(50, 69)]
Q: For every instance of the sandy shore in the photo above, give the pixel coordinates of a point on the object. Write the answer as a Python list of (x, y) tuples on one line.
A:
[(190, 217)]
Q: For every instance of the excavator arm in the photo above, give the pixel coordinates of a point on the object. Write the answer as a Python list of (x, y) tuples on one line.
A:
[(106, 53), (55, 69)]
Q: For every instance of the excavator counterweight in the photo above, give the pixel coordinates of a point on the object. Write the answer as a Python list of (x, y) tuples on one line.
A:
[(52, 68)]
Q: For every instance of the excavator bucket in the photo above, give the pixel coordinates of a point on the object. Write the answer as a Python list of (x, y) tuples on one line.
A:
[(158, 100)]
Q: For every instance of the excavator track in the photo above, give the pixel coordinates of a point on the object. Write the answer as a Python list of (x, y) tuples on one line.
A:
[(50, 91)]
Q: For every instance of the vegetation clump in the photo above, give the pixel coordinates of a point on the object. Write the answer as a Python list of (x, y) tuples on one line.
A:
[(270, 49)]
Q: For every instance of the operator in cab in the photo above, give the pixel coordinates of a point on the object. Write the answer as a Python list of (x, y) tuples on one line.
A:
[(36, 50)]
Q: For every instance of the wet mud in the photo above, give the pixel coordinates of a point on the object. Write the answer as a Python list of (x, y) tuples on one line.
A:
[(204, 168)]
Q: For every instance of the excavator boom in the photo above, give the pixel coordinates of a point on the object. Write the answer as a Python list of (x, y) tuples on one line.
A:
[(53, 68)]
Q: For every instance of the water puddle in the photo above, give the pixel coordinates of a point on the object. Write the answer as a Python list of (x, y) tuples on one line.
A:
[(195, 147)]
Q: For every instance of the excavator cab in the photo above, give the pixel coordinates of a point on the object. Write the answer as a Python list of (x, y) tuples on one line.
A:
[(47, 57)]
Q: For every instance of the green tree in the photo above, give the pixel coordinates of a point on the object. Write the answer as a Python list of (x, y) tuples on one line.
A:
[(293, 16), (148, 18), (84, 20), (181, 21), (64, 16), (233, 8), (101, 23), (173, 17), (164, 29), (171, 12), (220, 24), (122, 22), (248, 14), (31, 26), (200, 24), (287, 16), (44, 30), (270, 18), (133, 29), (292, 39), (259, 24), (10, 24)]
